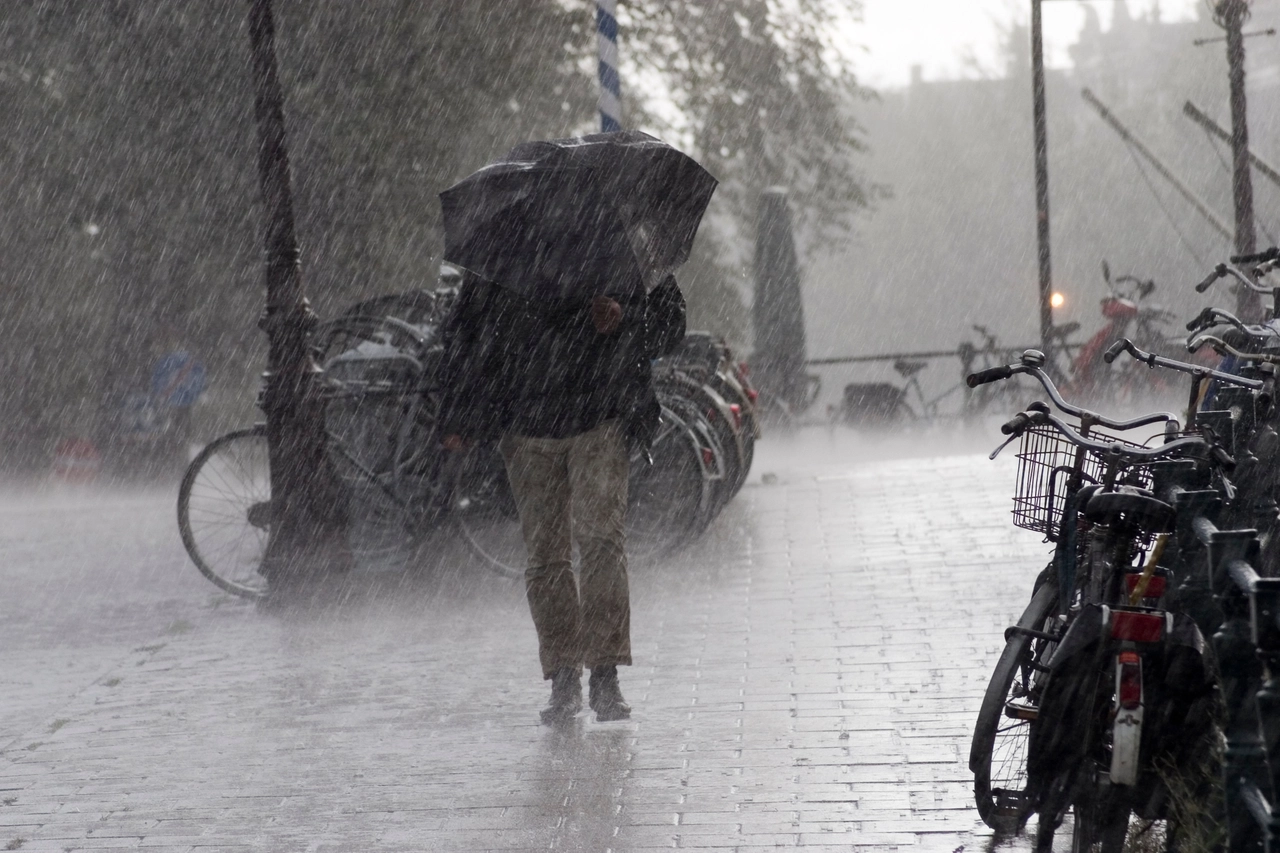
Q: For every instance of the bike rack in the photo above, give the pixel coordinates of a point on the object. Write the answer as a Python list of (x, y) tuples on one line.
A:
[(1007, 353), (1245, 631)]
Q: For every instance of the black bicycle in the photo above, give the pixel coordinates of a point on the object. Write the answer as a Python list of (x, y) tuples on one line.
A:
[(1102, 682)]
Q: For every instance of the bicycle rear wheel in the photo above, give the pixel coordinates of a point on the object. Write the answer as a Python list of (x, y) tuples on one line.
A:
[(224, 511), (367, 449), (714, 411), (669, 500), (712, 456), (483, 510), (998, 753)]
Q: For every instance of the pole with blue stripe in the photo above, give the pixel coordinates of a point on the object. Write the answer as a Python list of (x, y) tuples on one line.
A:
[(610, 86)]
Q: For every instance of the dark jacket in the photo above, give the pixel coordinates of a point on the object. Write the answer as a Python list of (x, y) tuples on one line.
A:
[(541, 369)]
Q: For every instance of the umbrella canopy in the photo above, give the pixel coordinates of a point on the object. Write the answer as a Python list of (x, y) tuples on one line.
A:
[(606, 213)]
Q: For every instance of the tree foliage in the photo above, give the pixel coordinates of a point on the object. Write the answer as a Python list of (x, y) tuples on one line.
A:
[(765, 92), (131, 219)]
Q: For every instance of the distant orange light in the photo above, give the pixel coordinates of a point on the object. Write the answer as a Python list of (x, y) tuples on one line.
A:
[(1057, 300)]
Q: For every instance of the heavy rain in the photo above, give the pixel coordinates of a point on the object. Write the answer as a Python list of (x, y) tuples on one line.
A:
[(614, 425)]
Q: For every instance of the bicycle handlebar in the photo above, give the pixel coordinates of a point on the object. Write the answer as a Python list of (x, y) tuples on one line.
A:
[(1222, 347), (1265, 255), (1031, 365), (1016, 424), (1152, 360), (1133, 454), (1265, 267), (1224, 270), (1113, 351), (1218, 272), (991, 374), (1210, 317)]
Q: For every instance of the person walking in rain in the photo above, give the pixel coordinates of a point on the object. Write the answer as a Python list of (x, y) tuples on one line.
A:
[(568, 384), (569, 246)]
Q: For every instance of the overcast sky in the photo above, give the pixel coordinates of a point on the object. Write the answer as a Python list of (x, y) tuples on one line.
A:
[(945, 37)]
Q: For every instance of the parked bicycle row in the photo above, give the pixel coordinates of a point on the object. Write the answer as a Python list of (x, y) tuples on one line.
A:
[(1130, 693), (402, 492), (922, 395)]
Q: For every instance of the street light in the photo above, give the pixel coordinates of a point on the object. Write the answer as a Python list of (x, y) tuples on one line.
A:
[(1231, 15), (1042, 174), (307, 530)]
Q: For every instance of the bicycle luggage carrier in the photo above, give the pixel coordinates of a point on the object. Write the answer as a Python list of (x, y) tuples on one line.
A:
[(1046, 461)]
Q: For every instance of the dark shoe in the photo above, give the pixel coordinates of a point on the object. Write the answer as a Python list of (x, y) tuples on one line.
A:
[(566, 697), (606, 696)]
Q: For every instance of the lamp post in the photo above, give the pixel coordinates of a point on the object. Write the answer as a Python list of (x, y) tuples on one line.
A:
[(306, 531), (1231, 16), (1042, 174)]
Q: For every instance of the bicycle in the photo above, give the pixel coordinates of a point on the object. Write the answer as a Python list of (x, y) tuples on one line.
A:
[(1083, 674), (883, 404), (708, 360), (1126, 313), (981, 400), (401, 486), (699, 460)]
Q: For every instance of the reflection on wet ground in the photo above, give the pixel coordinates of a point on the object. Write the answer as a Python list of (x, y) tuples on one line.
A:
[(807, 675)]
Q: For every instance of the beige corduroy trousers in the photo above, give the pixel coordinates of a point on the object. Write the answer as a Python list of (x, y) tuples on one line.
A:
[(567, 490)]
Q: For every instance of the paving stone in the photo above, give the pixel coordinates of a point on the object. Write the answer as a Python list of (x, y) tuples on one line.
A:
[(806, 675)]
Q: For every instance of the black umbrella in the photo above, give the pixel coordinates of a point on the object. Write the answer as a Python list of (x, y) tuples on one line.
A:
[(607, 213)]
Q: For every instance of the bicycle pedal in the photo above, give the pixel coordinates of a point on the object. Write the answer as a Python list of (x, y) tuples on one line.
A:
[(1021, 712)]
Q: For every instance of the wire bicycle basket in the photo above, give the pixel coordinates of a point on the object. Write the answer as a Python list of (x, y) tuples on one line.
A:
[(1046, 463)]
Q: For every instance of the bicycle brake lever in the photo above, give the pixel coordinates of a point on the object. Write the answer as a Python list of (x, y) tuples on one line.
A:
[(1203, 319), (1218, 272), (1003, 445), (1228, 488)]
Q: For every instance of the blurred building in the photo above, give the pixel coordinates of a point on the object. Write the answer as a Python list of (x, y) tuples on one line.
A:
[(955, 244)]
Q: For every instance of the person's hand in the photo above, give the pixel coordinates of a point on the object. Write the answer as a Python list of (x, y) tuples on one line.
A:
[(606, 314), (455, 443)]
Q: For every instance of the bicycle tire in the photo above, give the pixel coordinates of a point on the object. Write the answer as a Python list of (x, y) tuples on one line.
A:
[(1099, 829), (380, 425), (714, 409), (997, 757), (483, 512), (225, 495), (743, 429), (712, 456), (669, 501), (719, 418)]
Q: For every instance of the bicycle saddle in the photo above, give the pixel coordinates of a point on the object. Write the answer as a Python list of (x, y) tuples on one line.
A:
[(1150, 514), (907, 369), (1065, 330)]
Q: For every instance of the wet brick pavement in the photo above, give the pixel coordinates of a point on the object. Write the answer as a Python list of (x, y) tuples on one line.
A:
[(806, 676)]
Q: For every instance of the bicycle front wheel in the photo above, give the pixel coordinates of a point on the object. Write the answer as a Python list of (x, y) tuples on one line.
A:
[(998, 753), (1099, 826), (224, 511)]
